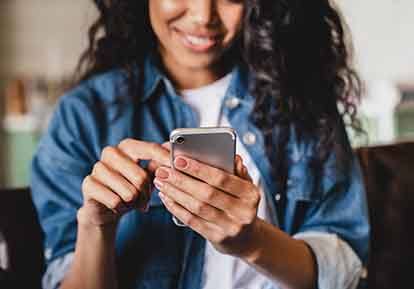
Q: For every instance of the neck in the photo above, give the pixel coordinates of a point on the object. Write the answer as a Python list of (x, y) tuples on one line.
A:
[(191, 78)]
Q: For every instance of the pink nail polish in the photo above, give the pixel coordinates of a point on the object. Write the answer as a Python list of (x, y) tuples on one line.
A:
[(158, 184), (180, 163), (162, 173)]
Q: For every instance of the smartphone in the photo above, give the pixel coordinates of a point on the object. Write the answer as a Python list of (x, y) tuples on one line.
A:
[(215, 146)]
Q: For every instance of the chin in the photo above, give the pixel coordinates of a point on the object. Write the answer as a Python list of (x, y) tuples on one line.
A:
[(198, 62)]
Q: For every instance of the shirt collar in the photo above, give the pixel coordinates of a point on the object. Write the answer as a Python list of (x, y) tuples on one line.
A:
[(239, 84), (153, 77)]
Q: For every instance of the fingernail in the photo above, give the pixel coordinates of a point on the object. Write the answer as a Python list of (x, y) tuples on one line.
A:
[(162, 196), (162, 173), (158, 184), (181, 163)]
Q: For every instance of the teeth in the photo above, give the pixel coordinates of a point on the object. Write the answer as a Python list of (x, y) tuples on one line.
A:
[(197, 40)]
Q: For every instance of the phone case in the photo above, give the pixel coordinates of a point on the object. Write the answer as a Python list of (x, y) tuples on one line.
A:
[(215, 146)]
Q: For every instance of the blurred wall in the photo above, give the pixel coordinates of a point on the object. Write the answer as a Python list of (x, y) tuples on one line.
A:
[(47, 36), (38, 38), (383, 32), (42, 37)]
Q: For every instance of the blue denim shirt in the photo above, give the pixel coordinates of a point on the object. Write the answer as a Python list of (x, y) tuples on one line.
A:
[(152, 251)]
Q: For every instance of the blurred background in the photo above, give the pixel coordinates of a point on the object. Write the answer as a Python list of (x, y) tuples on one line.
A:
[(41, 41)]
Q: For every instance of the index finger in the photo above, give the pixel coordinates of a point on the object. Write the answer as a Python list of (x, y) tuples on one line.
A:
[(154, 165), (142, 150)]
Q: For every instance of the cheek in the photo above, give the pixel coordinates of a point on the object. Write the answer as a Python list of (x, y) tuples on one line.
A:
[(162, 12), (165, 10), (167, 7), (233, 21)]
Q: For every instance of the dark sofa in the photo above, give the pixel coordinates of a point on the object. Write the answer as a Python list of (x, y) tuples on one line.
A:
[(389, 178)]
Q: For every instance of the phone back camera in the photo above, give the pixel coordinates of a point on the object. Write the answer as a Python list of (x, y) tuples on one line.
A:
[(179, 140)]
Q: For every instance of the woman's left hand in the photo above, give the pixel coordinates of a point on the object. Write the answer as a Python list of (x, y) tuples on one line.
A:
[(219, 206)]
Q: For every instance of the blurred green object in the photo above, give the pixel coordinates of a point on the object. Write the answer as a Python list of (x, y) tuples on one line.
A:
[(405, 121), (17, 149), (369, 135)]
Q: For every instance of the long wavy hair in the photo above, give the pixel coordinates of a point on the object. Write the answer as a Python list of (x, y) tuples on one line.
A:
[(297, 51)]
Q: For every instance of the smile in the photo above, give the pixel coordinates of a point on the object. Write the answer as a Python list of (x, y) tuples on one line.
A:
[(197, 43)]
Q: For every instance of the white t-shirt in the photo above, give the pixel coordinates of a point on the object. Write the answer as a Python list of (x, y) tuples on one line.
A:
[(224, 271)]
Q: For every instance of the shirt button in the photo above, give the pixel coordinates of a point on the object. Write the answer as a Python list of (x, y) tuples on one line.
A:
[(48, 253), (232, 102), (364, 273), (249, 138), (278, 197)]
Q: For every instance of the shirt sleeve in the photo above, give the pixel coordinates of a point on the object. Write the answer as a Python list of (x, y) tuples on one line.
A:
[(4, 257), (56, 271), (331, 216), (338, 265), (63, 159)]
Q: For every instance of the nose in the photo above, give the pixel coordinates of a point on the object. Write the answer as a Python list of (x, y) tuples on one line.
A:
[(204, 12)]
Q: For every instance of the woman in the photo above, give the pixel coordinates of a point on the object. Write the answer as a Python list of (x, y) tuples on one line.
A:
[(294, 214)]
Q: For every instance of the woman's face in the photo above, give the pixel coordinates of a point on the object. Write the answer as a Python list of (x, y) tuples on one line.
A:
[(194, 34)]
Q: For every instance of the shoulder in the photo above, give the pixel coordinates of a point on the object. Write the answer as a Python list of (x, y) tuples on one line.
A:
[(77, 120), (105, 88), (92, 99)]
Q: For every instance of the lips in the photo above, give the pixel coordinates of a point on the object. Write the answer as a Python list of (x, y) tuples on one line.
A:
[(198, 42)]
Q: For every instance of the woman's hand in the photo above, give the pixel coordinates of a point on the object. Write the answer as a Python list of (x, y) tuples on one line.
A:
[(219, 206), (118, 184)]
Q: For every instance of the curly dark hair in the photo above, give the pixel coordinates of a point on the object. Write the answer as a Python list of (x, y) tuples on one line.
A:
[(296, 50)]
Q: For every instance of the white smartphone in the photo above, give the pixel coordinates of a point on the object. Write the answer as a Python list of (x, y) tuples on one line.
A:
[(215, 146)]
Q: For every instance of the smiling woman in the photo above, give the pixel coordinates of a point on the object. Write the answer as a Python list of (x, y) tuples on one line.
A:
[(275, 72)]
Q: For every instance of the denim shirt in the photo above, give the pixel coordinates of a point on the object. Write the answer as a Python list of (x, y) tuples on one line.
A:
[(153, 252)]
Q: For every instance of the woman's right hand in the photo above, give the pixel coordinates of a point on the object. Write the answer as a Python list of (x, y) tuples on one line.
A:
[(118, 184)]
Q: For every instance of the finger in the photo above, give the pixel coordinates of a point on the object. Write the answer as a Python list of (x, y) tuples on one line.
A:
[(96, 213), (142, 150), (196, 207), (215, 177), (154, 165), (115, 182), (207, 230), (238, 159), (201, 191), (167, 145), (115, 159), (246, 174), (93, 190), (239, 166), (241, 169)]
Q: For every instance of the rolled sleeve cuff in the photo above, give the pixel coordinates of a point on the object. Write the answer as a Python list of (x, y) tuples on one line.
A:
[(56, 271), (338, 265)]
